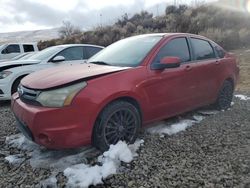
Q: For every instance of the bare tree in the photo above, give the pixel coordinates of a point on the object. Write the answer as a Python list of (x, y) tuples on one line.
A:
[(68, 30)]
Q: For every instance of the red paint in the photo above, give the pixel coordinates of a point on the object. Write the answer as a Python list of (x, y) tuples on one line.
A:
[(160, 94)]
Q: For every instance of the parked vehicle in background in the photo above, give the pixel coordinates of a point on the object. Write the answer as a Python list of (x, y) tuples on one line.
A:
[(12, 72), (8, 51), (131, 83)]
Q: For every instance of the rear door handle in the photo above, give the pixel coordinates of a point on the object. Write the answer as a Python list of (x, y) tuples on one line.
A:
[(188, 68), (217, 62)]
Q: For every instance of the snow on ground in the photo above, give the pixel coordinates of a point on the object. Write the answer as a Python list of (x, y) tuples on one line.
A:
[(41, 157), (242, 97), (15, 159), (83, 175), (162, 128), (72, 162)]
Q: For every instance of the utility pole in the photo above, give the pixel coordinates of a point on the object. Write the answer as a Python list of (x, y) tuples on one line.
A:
[(157, 9), (101, 20)]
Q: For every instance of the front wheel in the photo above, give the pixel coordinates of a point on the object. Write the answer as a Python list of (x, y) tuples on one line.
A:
[(225, 96), (15, 85), (120, 120)]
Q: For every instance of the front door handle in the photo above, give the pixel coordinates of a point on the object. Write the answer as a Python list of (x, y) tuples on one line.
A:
[(188, 68)]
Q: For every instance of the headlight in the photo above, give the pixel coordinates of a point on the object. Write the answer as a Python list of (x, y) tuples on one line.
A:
[(60, 97), (4, 74)]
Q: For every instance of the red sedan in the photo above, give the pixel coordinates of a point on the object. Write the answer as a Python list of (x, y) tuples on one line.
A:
[(133, 82)]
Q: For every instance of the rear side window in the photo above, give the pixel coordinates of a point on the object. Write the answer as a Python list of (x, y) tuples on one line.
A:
[(177, 47), (202, 49), (28, 48), (13, 48), (90, 51), (72, 53)]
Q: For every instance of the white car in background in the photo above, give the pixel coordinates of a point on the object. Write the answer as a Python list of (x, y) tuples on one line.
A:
[(8, 51), (12, 72)]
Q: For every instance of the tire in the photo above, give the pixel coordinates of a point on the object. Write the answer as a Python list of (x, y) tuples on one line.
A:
[(15, 85), (120, 120), (225, 96)]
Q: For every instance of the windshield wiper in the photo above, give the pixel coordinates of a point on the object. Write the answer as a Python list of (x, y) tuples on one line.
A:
[(99, 63)]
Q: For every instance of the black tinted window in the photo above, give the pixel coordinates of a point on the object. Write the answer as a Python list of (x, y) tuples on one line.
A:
[(202, 49), (28, 48), (90, 51), (73, 53), (177, 47), (13, 48)]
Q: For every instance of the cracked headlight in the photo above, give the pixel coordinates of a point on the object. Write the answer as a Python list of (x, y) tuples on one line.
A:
[(4, 74), (60, 97)]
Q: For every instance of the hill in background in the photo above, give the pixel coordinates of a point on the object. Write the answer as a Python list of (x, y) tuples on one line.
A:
[(29, 36)]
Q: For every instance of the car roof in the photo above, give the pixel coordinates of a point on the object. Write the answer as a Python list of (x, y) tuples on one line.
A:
[(84, 45), (173, 34)]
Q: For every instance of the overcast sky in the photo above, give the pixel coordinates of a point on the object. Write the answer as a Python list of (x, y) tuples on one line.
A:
[(20, 15)]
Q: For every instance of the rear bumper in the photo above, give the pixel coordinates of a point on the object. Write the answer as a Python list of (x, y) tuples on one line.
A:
[(55, 128)]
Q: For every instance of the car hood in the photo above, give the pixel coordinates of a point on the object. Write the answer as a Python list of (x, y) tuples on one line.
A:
[(55, 77), (17, 63)]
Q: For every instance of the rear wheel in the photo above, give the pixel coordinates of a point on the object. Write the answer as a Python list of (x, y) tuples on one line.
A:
[(225, 96), (119, 121)]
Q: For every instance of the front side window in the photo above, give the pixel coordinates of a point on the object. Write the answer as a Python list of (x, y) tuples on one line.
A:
[(28, 48), (175, 48), (90, 51), (13, 48), (202, 49), (46, 53), (127, 52), (72, 53)]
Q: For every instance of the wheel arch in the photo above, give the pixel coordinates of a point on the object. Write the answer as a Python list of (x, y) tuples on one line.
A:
[(18, 78), (132, 100)]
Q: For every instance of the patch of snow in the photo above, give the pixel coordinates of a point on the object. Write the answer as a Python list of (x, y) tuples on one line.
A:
[(162, 128), (232, 103), (82, 175), (20, 142), (242, 97), (15, 159), (58, 160), (198, 118)]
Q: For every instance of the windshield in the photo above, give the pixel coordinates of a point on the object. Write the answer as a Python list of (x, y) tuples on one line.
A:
[(46, 53), (127, 52)]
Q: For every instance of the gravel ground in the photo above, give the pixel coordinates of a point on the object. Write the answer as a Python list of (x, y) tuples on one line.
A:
[(213, 153)]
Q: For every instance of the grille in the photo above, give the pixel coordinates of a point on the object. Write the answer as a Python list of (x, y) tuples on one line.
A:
[(28, 95)]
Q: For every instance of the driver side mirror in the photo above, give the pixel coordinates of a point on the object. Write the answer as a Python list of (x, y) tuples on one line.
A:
[(167, 62), (58, 59)]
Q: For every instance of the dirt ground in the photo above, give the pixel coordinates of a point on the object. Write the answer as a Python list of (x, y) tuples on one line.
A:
[(244, 59)]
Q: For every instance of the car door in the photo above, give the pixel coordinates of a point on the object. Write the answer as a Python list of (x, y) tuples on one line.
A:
[(206, 70), (172, 91), (72, 55)]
